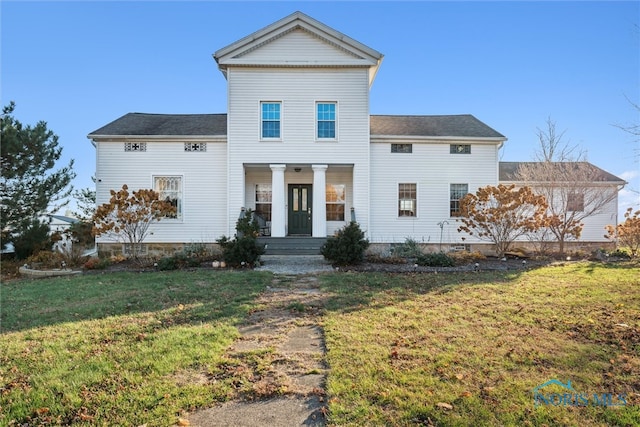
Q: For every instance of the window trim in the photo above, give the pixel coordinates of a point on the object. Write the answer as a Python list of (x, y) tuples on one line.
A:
[(317, 121), (456, 148), (399, 201), (262, 121), (456, 213), (257, 202), (343, 203), (400, 151), (180, 203)]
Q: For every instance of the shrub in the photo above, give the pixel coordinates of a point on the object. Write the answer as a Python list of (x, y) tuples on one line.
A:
[(243, 250), (97, 263), (409, 249), (46, 260), (33, 237), (436, 259), (620, 253), (177, 261), (347, 246)]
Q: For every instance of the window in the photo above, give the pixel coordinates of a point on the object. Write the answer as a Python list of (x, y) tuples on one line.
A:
[(460, 149), (575, 202), (456, 192), (195, 146), (401, 148), (326, 115), (335, 202), (169, 189), (263, 201), (135, 146), (270, 120), (407, 200)]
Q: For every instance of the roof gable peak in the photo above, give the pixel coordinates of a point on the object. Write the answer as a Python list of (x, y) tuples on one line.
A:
[(355, 53)]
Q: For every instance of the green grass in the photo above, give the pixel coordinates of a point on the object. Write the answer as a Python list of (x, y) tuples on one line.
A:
[(403, 347), (118, 349), (134, 349)]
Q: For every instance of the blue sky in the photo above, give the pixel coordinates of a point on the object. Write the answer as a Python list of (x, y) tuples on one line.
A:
[(513, 65)]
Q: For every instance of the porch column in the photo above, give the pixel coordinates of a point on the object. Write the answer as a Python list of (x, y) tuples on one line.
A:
[(278, 200), (319, 212)]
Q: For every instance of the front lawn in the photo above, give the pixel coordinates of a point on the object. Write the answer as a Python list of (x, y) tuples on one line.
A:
[(468, 349), (120, 348), (403, 349)]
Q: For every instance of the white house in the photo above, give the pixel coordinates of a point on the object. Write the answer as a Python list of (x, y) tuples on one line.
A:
[(300, 147)]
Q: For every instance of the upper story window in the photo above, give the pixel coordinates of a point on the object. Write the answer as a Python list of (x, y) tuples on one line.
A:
[(402, 148), (460, 149), (195, 146), (169, 188), (326, 120), (135, 146), (270, 119)]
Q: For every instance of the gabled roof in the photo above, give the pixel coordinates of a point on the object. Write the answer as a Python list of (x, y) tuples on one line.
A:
[(508, 171), (142, 124), (466, 126), (236, 53), (202, 125)]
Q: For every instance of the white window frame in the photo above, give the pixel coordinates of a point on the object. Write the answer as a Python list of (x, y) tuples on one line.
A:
[(179, 193), (316, 121), (269, 202), (342, 202), (457, 213), (261, 121), (400, 201)]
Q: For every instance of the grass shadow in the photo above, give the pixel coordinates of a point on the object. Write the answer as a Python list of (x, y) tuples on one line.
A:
[(203, 296)]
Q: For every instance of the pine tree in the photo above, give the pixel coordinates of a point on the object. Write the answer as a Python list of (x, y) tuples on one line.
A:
[(29, 186)]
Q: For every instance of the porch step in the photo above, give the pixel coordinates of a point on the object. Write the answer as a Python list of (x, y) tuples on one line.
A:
[(292, 245)]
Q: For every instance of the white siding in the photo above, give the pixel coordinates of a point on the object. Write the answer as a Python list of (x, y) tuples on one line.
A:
[(298, 46), (433, 169), (203, 185), (298, 90)]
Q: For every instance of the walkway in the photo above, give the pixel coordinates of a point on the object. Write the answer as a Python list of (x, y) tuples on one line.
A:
[(286, 333), (294, 264)]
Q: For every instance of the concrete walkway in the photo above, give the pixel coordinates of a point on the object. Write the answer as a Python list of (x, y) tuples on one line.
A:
[(294, 264)]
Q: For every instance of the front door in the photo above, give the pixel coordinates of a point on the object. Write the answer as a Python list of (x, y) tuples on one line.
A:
[(300, 209)]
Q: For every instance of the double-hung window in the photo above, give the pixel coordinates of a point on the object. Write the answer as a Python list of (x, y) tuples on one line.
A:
[(335, 202), (456, 192), (169, 188), (263, 201), (270, 119), (407, 200), (326, 120)]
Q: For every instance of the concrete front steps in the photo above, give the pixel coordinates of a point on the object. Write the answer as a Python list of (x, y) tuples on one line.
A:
[(292, 245)]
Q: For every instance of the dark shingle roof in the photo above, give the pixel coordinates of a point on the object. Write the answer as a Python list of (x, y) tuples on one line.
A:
[(166, 124), (459, 125), (508, 171), (216, 124)]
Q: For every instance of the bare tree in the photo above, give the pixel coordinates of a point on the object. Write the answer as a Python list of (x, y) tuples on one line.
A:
[(633, 129), (574, 188)]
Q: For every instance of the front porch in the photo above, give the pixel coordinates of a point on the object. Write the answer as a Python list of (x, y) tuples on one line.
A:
[(299, 200)]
